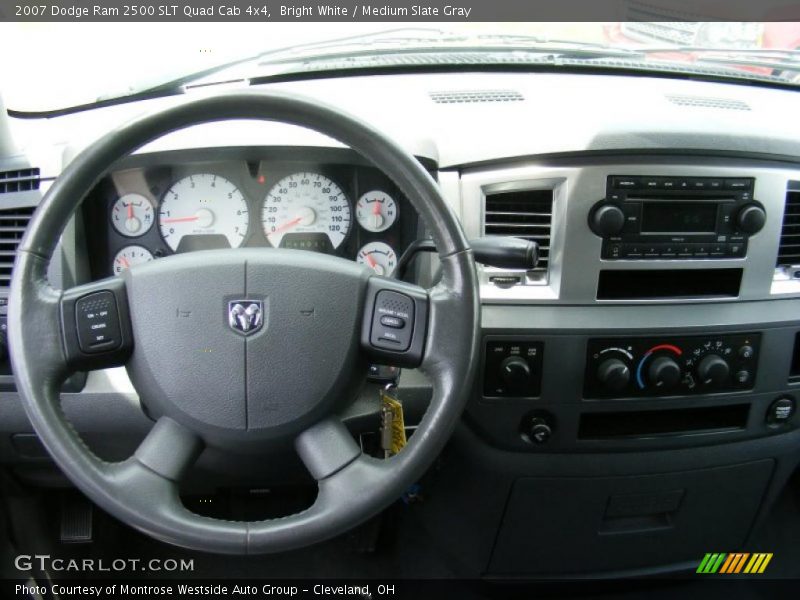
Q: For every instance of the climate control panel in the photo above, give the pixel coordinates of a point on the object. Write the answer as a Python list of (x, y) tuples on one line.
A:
[(670, 366)]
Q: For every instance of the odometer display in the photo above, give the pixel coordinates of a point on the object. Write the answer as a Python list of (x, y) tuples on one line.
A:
[(305, 203)]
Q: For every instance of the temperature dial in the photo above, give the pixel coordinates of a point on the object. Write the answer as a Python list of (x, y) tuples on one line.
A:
[(376, 211), (130, 256), (379, 257), (132, 215)]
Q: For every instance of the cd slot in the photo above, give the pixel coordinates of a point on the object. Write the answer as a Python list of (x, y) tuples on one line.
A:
[(645, 284)]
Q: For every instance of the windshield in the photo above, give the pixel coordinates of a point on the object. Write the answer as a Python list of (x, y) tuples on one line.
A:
[(62, 65)]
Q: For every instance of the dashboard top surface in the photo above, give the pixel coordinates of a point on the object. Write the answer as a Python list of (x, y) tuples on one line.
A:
[(558, 113)]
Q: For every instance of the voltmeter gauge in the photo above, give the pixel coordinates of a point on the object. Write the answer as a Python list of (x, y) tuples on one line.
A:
[(379, 257), (376, 211), (132, 215), (130, 256)]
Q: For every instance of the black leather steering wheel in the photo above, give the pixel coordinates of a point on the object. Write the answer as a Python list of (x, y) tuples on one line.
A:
[(207, 381)]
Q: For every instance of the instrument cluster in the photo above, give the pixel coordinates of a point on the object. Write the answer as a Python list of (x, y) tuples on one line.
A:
[(146, 212)]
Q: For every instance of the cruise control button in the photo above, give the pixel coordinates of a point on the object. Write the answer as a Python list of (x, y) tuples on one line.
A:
[(97, 321), (393, 322)]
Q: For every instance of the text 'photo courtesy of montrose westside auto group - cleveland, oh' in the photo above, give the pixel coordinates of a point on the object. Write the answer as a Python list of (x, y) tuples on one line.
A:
[(399, 300)]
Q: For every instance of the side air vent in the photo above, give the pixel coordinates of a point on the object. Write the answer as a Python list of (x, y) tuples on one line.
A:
[(789, 249), (705, 102), (524, 214), (477, 96), (22, 180), (13, 222)]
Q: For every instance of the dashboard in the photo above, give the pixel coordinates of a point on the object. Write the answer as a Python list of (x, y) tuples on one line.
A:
[(635, 391), (279, 198)]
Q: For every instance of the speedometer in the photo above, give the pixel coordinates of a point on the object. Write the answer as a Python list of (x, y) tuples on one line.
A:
[(306, 210), (203, 211)]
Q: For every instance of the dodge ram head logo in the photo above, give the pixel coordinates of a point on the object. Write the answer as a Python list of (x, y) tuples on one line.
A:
[(245, 316)]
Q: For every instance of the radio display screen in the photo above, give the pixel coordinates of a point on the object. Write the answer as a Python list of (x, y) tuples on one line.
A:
[(678, 217)]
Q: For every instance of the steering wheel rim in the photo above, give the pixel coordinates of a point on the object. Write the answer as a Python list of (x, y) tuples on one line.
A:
[(143, 490)]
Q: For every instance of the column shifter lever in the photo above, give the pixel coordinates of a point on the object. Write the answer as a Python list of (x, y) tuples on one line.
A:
[(494, 251)]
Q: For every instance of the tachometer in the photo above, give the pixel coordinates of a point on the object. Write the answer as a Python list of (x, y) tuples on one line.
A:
[(204, 205), (304, 207)]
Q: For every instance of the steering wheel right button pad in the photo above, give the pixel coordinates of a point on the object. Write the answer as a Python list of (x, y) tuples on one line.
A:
[(392, 321)]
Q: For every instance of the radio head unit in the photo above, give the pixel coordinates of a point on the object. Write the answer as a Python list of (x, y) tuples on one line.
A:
[(676, 218)]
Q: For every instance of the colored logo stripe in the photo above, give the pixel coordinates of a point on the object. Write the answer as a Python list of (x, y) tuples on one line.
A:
[(729, 564)]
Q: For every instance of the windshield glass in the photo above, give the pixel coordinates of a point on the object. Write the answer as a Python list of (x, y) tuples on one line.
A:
[(61, 65)]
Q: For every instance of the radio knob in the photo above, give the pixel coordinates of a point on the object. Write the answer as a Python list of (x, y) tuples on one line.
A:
[(751, 219), (515, 372), (664, 373), (607, 220), (713, 370), (613, 374)]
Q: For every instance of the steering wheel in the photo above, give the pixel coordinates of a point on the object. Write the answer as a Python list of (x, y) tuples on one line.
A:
[(243, 349)]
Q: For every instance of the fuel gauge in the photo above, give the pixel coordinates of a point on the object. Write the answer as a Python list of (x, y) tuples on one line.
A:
[(130, 256), (379, 257)]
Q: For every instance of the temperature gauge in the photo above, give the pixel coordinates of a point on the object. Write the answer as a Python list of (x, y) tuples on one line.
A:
[(130, 256), (379, 257), (376, 211), (132, 215)]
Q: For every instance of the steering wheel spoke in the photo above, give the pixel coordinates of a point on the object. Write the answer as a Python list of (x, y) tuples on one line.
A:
[(395, 322), (326, 448), (170, 449), (95, 325)]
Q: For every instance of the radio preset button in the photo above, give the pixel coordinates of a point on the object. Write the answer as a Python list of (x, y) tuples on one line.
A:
[(625, 183), (737, 184), (736, 249), (651, 183)]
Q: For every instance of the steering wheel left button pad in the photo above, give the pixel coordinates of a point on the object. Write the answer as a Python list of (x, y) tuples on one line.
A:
[(97, 321)]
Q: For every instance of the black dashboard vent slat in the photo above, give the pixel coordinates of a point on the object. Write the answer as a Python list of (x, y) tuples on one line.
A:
[(524, 214), (13, 222), (21, 180), (476, 96), (789, 249)]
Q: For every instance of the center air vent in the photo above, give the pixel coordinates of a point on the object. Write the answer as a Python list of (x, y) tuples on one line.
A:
[(22, 180), (524, 214), (476, 96), (13, 222), (789, 249)]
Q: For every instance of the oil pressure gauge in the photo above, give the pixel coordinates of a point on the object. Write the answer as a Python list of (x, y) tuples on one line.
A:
[(132, 215), (376, 211), (379, 257)]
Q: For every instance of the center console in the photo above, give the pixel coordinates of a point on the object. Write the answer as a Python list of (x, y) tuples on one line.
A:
[(650, 370)]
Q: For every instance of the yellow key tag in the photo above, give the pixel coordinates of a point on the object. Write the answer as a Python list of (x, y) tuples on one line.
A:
[(397, 424)]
